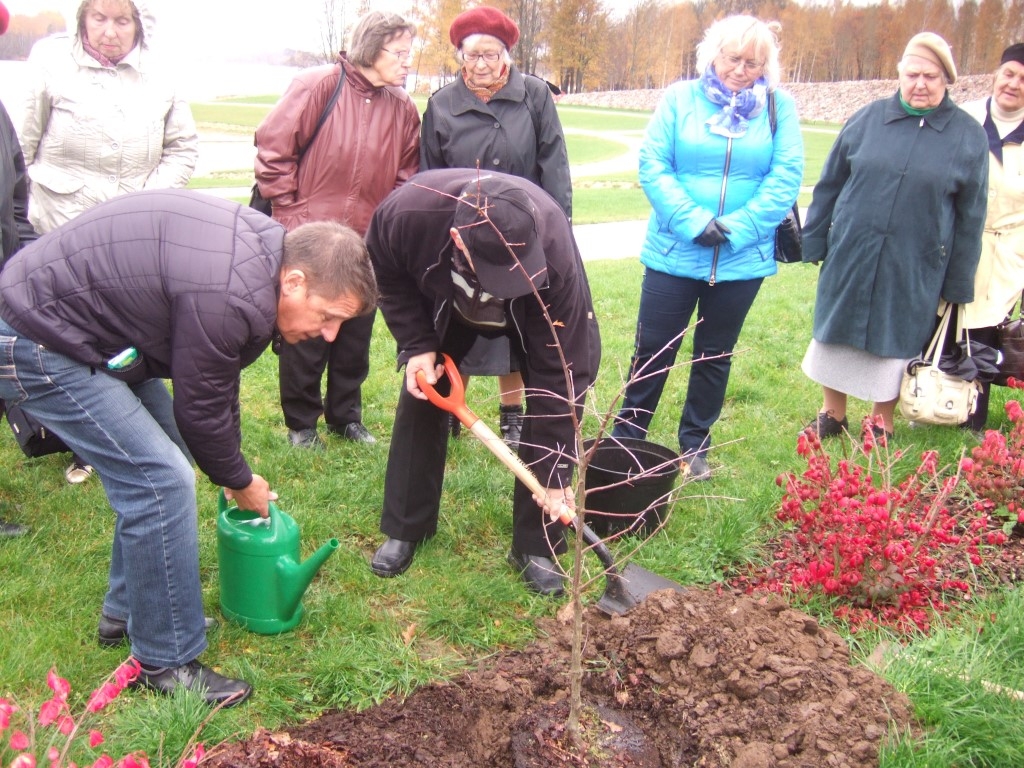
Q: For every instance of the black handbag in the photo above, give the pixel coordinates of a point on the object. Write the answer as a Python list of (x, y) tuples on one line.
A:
[(789, 247), (33, 438), (256, 200), (1011, 343)]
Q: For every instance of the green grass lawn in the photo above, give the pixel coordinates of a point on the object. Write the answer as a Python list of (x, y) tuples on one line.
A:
[(460, 602)]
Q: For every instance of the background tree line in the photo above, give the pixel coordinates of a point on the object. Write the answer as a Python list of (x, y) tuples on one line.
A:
[(582, 46)]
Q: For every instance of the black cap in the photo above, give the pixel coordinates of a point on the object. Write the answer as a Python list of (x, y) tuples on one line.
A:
[(1014, 53), (496, 218)]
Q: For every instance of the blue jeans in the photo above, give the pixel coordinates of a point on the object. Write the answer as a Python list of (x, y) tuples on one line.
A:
[(666, 306), (128, 434)]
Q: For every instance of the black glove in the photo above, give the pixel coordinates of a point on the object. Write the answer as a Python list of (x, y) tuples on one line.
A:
[(714, 234)]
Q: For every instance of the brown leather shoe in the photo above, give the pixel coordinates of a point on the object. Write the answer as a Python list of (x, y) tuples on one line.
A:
[(826, 426)]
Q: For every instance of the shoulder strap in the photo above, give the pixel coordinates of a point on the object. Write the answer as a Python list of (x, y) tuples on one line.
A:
[(327, 110), (530, 107), (773, 120)]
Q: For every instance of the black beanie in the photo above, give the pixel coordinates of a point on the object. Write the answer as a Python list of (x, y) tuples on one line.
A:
[(1014, 53)]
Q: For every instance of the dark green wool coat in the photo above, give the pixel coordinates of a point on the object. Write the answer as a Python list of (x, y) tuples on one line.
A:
[(896, 219)]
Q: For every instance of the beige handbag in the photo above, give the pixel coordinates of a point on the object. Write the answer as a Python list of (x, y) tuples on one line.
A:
[(930, 396)]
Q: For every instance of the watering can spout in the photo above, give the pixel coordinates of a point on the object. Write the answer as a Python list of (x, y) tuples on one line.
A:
[(296, 577)]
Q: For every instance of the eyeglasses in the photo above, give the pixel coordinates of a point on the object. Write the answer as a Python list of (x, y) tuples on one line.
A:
[(400, 55), (490, 57), (735, 61)]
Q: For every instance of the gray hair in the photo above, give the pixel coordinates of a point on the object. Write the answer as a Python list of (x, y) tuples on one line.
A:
[(473, 40), (335, 261), (739, 32), (373, 31)]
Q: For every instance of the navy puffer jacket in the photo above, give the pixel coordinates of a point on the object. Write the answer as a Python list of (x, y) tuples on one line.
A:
[(187, 279)]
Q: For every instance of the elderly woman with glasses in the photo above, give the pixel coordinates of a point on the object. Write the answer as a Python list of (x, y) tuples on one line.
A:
[(720, 178), (367, 146), (496, 118)]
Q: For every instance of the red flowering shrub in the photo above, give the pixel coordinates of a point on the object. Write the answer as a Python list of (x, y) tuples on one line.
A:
[(995, 469), (47, 739), (881, 553)]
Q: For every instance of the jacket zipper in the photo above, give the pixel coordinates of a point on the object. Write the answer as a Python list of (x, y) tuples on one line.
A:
[(721, 206)]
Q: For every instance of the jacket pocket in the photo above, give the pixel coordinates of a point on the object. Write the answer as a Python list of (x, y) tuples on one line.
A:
[(54, 179), (11, 390)]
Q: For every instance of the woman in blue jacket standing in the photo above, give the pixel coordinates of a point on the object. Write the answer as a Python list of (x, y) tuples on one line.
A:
[(720, 182)]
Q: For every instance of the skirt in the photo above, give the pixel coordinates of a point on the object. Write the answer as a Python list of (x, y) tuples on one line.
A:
[(489, 357), (854, 372)]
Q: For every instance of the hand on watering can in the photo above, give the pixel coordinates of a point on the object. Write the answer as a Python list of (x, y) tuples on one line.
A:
[(432, 370), (255, 497), (555, 500)]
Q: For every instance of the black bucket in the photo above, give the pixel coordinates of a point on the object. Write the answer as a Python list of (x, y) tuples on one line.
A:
[(631, 480)]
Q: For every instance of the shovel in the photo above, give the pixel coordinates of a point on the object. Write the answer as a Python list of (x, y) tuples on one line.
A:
[(623, 590)]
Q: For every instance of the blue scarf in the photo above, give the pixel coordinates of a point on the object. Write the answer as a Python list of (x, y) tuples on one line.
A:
[(737, 108)]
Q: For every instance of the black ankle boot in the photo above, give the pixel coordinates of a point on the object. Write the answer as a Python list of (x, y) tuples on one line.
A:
[(511, 422)]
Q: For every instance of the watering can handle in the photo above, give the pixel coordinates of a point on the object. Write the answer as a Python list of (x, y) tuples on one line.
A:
[(455, 403), (222, 505)]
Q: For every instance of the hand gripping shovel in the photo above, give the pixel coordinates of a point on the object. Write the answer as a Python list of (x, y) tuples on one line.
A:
[(623, 591)]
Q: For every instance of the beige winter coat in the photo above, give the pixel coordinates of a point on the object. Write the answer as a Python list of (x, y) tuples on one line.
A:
[(1000, 277), (93, 132)]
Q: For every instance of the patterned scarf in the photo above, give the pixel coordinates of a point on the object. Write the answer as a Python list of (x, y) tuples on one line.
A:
[(737, 108), (99, 56), (485, 93)]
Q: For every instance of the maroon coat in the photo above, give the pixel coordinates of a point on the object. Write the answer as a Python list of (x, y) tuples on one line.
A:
[(369, 145)]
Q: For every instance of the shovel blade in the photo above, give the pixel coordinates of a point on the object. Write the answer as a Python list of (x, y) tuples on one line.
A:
[(625, 590)]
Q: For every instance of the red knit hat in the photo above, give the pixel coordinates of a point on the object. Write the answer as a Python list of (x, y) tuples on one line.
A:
[(5, 18), (483, 20)]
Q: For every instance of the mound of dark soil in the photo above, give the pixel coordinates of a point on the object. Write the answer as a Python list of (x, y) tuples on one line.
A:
[(697, 678)]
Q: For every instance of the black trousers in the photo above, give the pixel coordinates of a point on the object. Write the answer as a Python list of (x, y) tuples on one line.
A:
[(416, 462), (347, 362)]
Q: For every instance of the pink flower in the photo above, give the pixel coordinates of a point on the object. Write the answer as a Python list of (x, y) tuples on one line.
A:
[(137, 760), (196, 758), (66, 724), (95, 738), (126, 673), (60, 687), (24, 761), (19, 741), (6, 709), (50, 711), (103, 761), (102, 696)]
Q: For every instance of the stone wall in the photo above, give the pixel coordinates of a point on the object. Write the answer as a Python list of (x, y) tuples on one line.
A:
[(832, 102)]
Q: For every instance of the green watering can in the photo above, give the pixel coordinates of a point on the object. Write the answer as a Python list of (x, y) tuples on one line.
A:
[(261, 578)]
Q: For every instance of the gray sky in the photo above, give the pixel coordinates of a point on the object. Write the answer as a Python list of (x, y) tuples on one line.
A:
[(212, 27)]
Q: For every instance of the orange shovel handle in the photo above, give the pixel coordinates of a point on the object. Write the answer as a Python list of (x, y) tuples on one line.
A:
[(455, 402)]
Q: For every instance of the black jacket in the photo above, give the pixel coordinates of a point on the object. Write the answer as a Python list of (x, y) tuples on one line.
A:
[(15, 230), (187, 279), (517, 132), (411, 250)]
